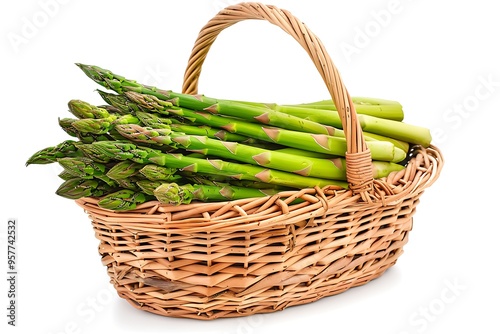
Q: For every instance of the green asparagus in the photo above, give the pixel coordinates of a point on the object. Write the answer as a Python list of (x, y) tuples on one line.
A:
[(149, 144), (380, 150), (123, 200), (172, 193), (109, 151), (77, 188), (262, 115), (82, 110), (50, 154), (307, 166), (295, 118)]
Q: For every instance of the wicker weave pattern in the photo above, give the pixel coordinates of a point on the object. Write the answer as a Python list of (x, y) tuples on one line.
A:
[(259, 255), (237, 258)]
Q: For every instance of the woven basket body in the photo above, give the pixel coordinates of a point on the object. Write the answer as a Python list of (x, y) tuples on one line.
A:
[(259, 255)]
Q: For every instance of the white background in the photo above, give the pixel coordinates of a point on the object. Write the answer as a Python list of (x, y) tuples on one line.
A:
[(439, 59)]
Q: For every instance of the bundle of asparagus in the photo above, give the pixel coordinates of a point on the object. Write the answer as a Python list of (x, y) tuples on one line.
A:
[(148, 144)]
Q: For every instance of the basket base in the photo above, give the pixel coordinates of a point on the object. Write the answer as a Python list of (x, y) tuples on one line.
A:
[(230, 303), (176, 312)]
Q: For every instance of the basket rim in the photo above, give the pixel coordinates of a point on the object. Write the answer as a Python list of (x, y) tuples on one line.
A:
[(421, 172)]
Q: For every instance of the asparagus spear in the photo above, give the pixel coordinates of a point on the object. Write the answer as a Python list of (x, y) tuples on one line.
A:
[(156, 121), (148, 187), (95, 120), (391, 110), (151, 103), (381, 151), (67, 125), (82, 167), (129, 183), (119, 102), (65, 175), (51, 154), (172, 193), (103, 125), (124, 174), (113, 110), (221, 181), (124, 169), (82, 110), (295, 118), (123, 200), (386, 127), (85, 168), (381, 108), (107, 151), (158, 173), (307, 166), (262, 115), (77, 188), (402, 145), (137, 102), (209, 132), (153, 120), (96, 126)]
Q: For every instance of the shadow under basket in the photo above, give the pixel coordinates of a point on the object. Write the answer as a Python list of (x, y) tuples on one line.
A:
[(260, 255)]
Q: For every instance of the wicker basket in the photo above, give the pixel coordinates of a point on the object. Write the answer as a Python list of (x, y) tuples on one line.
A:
[(259, 255)]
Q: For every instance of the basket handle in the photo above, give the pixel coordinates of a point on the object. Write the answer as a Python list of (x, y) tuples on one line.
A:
[(358, 157)]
